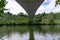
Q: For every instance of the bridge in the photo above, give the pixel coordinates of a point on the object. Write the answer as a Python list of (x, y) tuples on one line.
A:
[(30, 6)]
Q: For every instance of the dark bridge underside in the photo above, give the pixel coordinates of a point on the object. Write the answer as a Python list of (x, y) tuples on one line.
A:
[(30, 6)]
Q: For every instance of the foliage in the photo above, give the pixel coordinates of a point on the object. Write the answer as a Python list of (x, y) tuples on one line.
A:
[(8, 18), (2, 5), (47, 19), (57, 2), (51, 18), (38, 18)]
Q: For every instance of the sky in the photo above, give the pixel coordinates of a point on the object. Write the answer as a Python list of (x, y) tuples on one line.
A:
[(47, 6)]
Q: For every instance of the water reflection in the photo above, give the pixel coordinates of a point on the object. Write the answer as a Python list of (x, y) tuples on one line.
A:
[(47, 36), (27, 32), (16, 36), (31, 33)]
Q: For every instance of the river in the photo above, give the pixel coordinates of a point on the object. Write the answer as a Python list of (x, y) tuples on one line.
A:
[(30, 32)]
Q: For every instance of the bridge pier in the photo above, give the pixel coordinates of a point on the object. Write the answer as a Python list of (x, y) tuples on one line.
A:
[(30, 6)]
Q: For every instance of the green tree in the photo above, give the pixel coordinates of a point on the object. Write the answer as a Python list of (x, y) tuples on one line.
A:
[(2, 5), (48, 19), (57, 2), (21, 14)]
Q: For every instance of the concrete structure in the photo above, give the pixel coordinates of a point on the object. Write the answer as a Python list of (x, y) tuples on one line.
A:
[(30, 6)]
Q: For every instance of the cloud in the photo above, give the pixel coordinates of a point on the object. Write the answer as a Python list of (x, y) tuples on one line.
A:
[(14, 7), (56, 9), (46, 2), (47, 7)]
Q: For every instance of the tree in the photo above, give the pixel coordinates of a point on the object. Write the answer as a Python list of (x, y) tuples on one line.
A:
[(21, 14), (2, 5), (57, 2)]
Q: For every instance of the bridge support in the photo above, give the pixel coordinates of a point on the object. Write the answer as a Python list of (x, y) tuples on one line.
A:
[(30, 6)]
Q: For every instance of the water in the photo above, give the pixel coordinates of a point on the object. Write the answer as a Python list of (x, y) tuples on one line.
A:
[(28, 32)]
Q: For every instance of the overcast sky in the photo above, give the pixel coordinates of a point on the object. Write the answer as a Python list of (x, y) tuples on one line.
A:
[(47, 6)]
